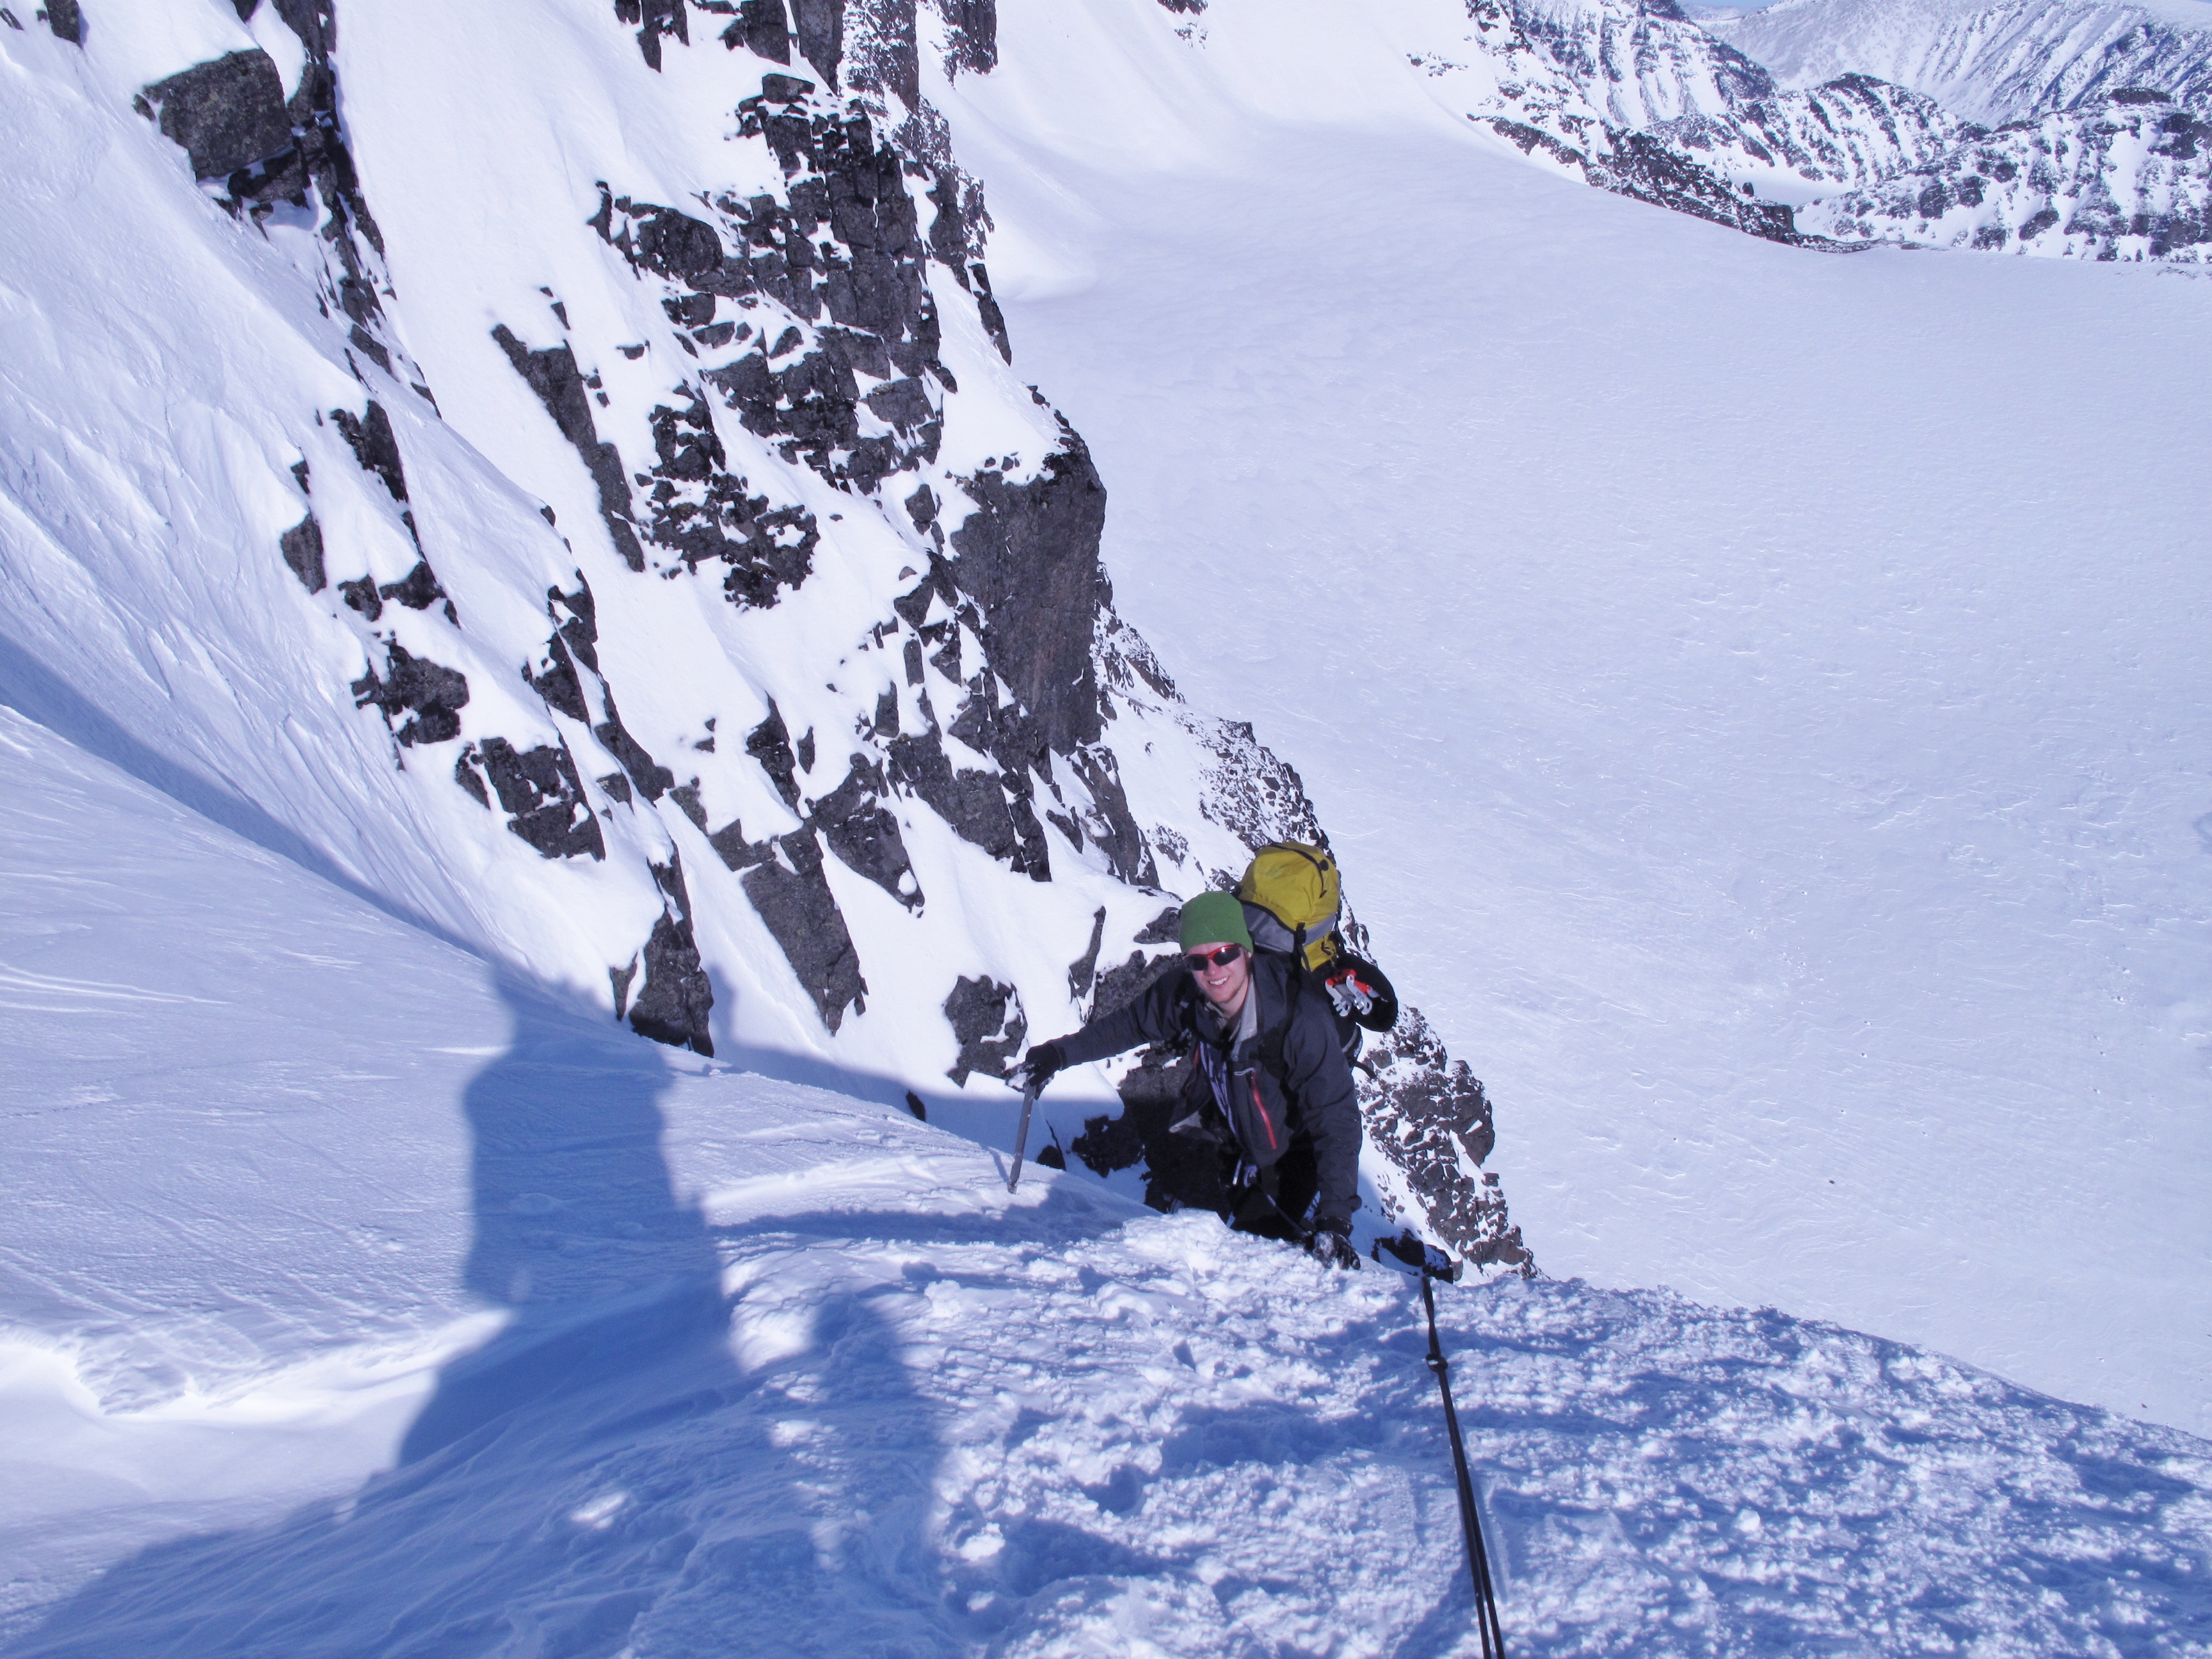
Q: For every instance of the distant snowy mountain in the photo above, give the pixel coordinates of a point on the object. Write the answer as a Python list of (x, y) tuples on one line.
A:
[(1741, 118), (1574, 84), (1988, 63), (1796, 146), (2131, 179)]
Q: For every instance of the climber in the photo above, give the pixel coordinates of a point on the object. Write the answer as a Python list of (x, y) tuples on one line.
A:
[(1271, 1087)]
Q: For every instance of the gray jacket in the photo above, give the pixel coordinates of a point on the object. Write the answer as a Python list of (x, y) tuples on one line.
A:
[(1283, 1073)]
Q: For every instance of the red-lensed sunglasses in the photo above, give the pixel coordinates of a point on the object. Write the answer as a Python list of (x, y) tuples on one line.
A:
[(1200, 961)]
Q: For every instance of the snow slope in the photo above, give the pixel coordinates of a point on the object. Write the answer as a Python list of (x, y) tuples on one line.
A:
[(1765, 687), (361, 1297)]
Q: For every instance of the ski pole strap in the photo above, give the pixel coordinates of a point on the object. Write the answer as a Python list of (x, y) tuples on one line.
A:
[(1478, 1559)]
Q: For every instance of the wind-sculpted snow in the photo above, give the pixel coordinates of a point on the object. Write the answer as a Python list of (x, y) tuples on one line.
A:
[(398, 1306), (2012, 61), (2131, 180)]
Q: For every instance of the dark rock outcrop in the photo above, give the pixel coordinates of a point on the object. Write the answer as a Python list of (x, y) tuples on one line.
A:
[(302, 547), (865, 834), (785, 883), (1651, 169), (375, 445), (540, 788), (418, 590), (553, 375), (762, 26), (226, 114), (1085, 968), (769, 743), (654, 19), (1028, 555), (988, 1022), (813, 302), (1428, 1115), (702, 513), (676, 1001), (976, 803), (652, 778), (428, 694)]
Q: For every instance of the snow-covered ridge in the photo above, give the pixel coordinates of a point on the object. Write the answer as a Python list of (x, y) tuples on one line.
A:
[(2124, 181), (1988, 63), (1639, 64), (1796, 145), (1636, 97)]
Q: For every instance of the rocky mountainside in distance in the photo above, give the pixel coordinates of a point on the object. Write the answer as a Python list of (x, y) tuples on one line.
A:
[(2131, 179), (1866, 106), (1798, 145), (631, 518), (1990, 64)]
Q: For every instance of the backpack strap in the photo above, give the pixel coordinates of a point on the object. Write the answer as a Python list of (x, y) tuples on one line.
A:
[(1272, 1041)]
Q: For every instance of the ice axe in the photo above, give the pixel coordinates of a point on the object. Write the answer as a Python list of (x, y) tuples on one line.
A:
[(1022, 1133)]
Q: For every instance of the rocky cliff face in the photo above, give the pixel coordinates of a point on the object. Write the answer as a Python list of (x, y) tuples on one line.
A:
[(1797, 146), (2015, 60), (666, 581), (2127, 180)]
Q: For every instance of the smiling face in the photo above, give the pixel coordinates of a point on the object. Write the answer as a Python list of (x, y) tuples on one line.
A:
[(1224, 982)]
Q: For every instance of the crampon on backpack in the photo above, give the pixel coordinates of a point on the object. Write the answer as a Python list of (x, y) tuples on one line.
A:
[(1292, 900)]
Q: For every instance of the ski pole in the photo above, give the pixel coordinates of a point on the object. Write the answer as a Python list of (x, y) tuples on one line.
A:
[(1022, 1136), (1478, 1559), (1432, 1263)]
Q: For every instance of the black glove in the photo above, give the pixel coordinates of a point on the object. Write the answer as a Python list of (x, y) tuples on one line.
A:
[(1041, 1064), (1330, 1244)]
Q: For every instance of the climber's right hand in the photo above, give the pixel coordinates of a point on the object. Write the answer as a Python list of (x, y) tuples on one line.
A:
[(1041, 1065)]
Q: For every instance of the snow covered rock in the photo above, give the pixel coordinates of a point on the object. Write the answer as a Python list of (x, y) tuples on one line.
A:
[(1637, 62), (1990, 64), (2129, 179), (1795, 145), (1860, 95), (1575, 84)]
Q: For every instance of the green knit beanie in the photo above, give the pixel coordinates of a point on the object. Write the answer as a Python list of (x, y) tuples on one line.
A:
[(1214, 919)]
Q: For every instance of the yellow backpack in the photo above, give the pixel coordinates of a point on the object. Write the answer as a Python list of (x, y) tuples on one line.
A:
[(1292, 897)]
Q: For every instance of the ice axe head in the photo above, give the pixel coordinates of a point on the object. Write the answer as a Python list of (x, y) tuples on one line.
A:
[(1421, 1256)]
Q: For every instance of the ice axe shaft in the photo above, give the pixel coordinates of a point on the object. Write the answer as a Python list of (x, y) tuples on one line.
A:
[(1021, 1135)]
